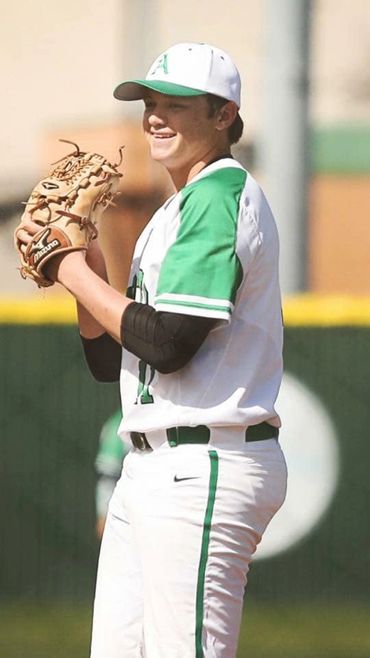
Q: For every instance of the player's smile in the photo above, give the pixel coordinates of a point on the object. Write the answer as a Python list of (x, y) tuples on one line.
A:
[(161, 136)]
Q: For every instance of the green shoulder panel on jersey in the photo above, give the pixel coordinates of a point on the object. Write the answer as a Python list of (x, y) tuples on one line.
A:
[(201, 271)]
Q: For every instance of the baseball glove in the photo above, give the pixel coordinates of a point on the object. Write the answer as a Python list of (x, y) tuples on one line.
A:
[(67, 205)]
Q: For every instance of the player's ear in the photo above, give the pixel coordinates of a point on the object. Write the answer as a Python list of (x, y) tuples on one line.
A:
[(226, 115)]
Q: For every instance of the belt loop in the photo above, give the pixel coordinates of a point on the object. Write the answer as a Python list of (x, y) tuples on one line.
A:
[(173, 436), (139, 441)]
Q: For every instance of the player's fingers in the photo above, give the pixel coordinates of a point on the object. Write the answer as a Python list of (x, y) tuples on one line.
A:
[(25, 231), (29, 225), (22, 236)]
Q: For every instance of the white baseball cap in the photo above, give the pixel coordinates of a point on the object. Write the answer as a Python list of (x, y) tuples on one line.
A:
[(187, 69)]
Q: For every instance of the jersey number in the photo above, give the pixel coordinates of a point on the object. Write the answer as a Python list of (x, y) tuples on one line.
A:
[(146, 372), (146, 376)]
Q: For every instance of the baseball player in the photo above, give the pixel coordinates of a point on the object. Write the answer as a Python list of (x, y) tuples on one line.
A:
[(197, 345)]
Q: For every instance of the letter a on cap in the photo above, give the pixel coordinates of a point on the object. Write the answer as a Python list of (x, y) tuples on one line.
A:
[(161, 64)]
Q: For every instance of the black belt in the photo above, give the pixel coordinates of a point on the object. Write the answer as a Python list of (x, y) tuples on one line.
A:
[(201, 434)]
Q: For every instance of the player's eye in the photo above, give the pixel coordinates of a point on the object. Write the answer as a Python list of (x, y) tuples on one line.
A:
[(177, 106), (149, 105)]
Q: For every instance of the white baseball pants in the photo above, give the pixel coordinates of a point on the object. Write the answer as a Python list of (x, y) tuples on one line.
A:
[(182, 526)]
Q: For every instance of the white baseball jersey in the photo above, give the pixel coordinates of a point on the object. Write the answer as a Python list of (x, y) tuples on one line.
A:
[(211, 250)]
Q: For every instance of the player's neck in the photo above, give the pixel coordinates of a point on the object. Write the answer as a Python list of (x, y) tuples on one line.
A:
[(183, 176)]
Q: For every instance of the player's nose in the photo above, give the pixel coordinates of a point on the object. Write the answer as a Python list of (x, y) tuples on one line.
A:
[(156, 118)]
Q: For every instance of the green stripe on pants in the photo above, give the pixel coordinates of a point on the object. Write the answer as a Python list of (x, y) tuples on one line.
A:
[(204, 553)]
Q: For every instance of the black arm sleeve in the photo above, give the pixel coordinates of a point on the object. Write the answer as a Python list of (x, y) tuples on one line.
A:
[(103, 357), (166, 341)]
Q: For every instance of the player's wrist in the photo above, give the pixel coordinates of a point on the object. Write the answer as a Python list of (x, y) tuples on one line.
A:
[(65, 268)]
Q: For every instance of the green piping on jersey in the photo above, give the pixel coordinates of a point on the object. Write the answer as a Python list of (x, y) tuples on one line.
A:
[(210, 307), (204, 553), (202, 261)]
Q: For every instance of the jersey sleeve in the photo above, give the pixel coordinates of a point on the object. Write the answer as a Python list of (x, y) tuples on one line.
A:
[(201, 271)]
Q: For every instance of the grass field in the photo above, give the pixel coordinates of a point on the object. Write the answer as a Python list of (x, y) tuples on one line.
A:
[(306, 632), (51, 631)]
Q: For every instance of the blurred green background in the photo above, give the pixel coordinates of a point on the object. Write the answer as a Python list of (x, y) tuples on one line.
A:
[(311, 600)]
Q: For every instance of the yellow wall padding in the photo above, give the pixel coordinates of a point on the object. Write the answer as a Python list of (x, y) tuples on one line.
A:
[(301, 310)]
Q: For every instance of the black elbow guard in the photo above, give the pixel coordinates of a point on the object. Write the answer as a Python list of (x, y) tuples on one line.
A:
[(166, 341)]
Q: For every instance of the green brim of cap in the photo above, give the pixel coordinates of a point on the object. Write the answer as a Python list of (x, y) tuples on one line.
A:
[(134, 90)]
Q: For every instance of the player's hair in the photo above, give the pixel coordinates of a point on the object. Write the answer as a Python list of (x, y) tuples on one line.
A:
[(235, 131)]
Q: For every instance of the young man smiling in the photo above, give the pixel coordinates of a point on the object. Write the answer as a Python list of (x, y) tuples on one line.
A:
[(184, 135), (197, 345)]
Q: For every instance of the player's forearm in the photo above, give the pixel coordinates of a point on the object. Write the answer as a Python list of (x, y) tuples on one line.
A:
[(89, 327), (100, 306)]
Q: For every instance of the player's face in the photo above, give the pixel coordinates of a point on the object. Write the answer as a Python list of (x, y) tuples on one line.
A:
[(181, 134)]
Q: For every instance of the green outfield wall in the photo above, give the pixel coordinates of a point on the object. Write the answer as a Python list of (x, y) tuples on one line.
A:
[(51, 414), (332, 563)]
